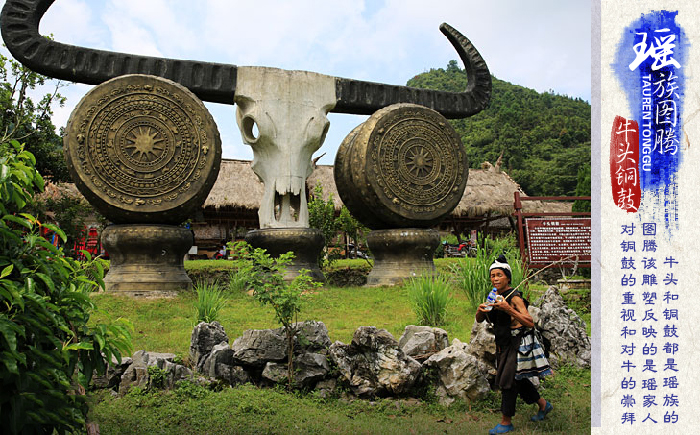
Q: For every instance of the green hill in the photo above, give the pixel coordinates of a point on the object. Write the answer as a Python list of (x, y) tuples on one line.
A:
[(545, 138)]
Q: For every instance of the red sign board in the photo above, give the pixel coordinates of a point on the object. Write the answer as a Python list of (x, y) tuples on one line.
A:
[(624, 161), (550, 240)]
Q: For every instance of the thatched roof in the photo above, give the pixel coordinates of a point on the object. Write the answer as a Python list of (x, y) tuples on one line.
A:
[(55, 191), (236, 186), (489, 190)]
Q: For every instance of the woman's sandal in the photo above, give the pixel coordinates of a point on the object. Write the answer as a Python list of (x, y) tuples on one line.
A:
[(501, 429), (542, 414)]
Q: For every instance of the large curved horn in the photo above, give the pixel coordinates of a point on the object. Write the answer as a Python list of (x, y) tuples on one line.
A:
[(365, 98), (216, 82), (213, 82)]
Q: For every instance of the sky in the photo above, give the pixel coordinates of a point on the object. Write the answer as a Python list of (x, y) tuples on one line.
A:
[(540, 44)]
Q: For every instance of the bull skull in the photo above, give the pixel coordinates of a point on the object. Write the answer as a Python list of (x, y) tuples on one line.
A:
[(288, 107)]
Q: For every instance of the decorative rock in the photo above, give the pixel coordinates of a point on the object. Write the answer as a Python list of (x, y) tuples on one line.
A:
[(315, 337), (374, 365), (483, 344), (112, 377), (420, 342), (204, 337), (564, 330), (309, 368), (459, 374), (257, 347), (137, 373), (219, 364)]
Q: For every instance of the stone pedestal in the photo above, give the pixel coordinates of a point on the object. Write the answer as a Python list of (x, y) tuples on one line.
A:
[(401, 254), (147, 260), (306, 243)]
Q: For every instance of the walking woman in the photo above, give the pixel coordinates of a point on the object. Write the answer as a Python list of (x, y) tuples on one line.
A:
[(513, 327)]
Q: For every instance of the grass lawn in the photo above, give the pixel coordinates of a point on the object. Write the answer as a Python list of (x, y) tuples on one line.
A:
[(165, 325), (250, 410)]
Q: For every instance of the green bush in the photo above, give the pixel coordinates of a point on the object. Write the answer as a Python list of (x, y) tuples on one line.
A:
[(210, 300), (47, 350), (186, 389), (429, 296), (156, 377)]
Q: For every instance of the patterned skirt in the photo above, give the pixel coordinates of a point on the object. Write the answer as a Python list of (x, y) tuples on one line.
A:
[(531, 358)]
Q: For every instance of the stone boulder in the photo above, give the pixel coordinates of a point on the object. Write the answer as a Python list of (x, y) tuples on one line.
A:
[(257, 347), (312, 336), (483, 344), (309, 368), (113, 375), (219, 364), (420, 342), (204, 337), (373, 364), (563, 329), (137, 373), (458, 374)]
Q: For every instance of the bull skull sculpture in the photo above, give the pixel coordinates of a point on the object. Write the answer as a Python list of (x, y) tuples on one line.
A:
[(287, 108)]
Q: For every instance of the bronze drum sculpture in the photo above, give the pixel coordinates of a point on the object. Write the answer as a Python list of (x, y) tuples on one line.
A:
[(404, 167), (399, 173), (145, 152)]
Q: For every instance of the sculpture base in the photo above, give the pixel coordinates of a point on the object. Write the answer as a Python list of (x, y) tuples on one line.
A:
[(401, 254), (306, 243), (147, 260)]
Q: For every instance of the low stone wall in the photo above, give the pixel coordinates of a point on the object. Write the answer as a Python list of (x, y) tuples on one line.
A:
[(373, 364)]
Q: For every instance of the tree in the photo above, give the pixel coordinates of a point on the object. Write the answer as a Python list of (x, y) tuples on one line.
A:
[(48, 351), (266, 276), (352, 228), (27, 121), (322, 217)]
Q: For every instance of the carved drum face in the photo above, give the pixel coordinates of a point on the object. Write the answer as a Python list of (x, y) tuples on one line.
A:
[(282, 115), (143, 149)]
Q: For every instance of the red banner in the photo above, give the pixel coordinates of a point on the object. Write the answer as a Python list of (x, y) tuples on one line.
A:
[(624, 164)]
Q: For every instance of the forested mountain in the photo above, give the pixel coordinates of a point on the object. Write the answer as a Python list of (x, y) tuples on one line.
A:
[(545, 138)]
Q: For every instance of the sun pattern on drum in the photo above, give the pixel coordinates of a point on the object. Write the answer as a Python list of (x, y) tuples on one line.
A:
[(143, 144)]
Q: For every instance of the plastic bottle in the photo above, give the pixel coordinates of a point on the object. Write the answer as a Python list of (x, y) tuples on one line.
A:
[(491, 299)]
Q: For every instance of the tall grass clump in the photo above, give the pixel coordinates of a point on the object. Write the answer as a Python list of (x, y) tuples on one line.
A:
[(210, 300), (429, 296), (238, 281), (472, 274)]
